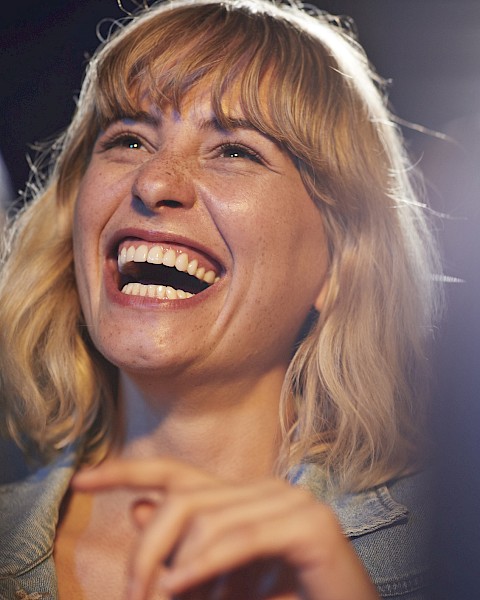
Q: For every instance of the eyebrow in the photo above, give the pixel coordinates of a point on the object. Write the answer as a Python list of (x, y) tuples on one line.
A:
[(208, 124), (233, 123), (212, 123), (140, 116)]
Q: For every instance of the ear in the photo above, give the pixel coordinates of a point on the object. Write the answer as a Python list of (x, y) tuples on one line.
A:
[(322, 295)]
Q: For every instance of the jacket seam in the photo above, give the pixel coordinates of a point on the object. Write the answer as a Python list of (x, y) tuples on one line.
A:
[(26, 568), (397, 514), (407, 585)]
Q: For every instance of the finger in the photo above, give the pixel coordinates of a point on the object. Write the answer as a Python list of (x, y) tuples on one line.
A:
[(268, 579), (278, 500), (311, 542), (163, 473), (238, 547), (169, 527)]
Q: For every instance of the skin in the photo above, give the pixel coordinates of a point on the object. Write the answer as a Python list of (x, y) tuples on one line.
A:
[(206, 528), (187, 366), (191, 489), (253, 215)]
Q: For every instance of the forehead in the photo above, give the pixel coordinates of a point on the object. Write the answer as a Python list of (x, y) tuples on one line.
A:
[(205, 110), (261, 69), (240, 58)]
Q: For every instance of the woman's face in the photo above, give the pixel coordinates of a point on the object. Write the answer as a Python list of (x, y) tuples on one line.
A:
[(172, 201)]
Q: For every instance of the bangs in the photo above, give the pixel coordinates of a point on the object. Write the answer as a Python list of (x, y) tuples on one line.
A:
[(255, 56), (292, 76)]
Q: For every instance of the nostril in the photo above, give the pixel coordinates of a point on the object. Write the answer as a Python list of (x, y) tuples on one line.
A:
[(144, 208), (170, 203)]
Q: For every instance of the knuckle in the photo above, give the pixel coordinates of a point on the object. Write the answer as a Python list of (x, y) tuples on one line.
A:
[(177, 505), (247, 535)]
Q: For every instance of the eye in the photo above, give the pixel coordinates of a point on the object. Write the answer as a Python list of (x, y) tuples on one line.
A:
[(239, 151), (123, 140)]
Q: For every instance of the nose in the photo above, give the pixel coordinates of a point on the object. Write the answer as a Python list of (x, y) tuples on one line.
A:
[(163, 182)]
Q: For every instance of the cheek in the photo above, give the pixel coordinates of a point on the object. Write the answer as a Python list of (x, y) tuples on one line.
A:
[(84, 229), (280, 250), (297, 251), (93, 208), (91, 212), (284, 229), (82, 262)]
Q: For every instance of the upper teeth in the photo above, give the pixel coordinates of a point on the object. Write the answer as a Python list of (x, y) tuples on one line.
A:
[(169, 257)]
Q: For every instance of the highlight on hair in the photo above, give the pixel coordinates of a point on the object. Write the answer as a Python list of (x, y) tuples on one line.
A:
[(353, 394)]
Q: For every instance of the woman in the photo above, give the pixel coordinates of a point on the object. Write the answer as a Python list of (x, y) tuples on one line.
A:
[(225, 298)]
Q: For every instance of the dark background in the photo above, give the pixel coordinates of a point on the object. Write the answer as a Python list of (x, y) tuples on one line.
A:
[(430, 49)]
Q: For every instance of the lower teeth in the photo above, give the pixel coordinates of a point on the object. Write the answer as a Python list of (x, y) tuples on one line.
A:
[(155, 291)]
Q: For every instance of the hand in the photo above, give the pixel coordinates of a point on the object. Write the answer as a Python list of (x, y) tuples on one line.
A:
[(214, 540)]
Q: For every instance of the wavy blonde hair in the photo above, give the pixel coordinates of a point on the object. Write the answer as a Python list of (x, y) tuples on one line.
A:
[(354, 393)]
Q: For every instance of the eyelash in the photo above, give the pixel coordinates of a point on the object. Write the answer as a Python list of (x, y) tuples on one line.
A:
[(241, 149), (125, 139), (119, 140)]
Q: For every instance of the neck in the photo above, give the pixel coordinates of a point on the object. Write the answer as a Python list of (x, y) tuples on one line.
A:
[(230, 430)]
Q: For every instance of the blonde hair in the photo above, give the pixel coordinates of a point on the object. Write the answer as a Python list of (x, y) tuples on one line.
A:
[(353, 395)]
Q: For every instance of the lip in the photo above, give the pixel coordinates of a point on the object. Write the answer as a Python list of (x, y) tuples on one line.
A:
[(170, 239), (166, 238), (142, 302)]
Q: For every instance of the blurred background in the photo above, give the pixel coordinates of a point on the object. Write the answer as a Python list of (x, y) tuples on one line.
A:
[(429, 50)]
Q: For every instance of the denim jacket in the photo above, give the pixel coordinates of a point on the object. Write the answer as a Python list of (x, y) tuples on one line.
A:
[(387, 525)]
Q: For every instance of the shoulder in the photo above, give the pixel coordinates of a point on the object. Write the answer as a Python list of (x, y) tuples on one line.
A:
[(29, 511), (390, 529)]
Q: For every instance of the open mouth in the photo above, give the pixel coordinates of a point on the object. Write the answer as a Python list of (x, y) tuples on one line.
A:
[(163, 272)]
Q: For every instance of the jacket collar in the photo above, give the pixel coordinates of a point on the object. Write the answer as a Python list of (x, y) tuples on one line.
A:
[(29, 510), (358, 513)]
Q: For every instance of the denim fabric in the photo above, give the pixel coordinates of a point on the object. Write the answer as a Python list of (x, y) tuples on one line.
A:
[(387, 525), (28, 518)]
